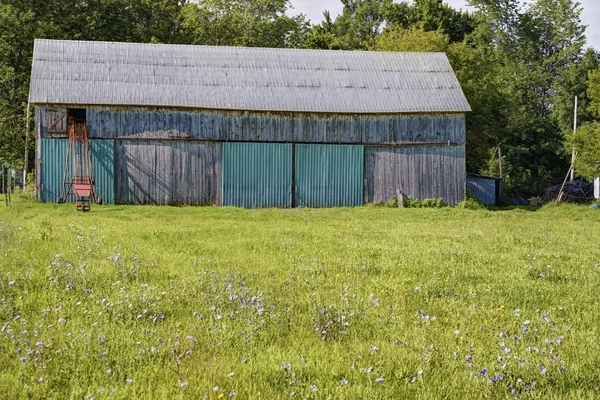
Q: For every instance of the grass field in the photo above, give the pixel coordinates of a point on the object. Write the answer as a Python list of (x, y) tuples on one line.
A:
[(371, 303)]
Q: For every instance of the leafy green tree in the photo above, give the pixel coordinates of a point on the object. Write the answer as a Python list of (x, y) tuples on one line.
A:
[(323, 36), (574, 82), (534, 48), (587, 140), (356, 28), (260, 23), (16, 46), (430, 15), (587, 146)]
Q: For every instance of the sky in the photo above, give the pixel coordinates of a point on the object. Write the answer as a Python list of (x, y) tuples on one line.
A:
[(313, 9)]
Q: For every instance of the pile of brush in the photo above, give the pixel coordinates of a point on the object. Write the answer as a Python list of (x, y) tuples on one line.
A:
[(573, 192)]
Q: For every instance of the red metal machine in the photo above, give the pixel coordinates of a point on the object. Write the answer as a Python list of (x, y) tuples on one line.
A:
[(78, 179)]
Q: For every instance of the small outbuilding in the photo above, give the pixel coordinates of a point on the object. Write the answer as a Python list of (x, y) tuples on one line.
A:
[(250, 127)]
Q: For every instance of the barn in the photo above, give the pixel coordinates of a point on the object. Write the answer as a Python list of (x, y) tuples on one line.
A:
[(250, 127)]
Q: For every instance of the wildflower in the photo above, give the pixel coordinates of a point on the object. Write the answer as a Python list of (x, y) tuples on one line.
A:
[(456, 331), (232, 394), (11, 283), (109, 371), (373, 348), (183, 384), (215, 388), (230, 374), (368, 370), (101, 389), (314, 388), (344, 381), (543, 371), (420, 372), (128, 380), (379, 380)]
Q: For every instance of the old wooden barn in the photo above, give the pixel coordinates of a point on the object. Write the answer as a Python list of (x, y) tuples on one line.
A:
[(250, 127)]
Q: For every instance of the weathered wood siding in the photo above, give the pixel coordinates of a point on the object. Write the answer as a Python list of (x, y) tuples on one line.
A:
[(111, 123), (418, 171), (168, 173), (167, 156)]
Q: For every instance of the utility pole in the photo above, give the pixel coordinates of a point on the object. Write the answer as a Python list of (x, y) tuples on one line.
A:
[(573, 152)]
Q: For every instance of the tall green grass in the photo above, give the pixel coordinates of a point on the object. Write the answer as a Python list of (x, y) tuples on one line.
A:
[(164, 302)]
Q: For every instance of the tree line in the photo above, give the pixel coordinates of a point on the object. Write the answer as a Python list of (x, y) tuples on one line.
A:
[(520, 66)]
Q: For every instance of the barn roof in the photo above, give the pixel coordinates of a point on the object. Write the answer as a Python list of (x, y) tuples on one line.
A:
[(237, 78)]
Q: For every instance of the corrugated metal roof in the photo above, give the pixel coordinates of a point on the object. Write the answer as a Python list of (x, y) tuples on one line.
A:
[(238, 78)]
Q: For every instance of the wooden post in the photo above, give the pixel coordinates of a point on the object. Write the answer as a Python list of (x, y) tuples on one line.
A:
[(400, 198), (26, 161), (499, 162), (573, 151), (7, 194)]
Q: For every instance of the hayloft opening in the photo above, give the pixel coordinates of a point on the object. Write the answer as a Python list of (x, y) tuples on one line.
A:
[(76, 114)]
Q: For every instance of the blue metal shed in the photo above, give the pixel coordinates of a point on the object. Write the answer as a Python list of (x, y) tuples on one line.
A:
[(487, 189)]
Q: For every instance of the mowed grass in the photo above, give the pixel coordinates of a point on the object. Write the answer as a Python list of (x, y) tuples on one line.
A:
[(165, 302)]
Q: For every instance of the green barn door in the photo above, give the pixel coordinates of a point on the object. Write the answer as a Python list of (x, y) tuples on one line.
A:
[(54, 155), (52, 166), (328, 175), (257, 175)]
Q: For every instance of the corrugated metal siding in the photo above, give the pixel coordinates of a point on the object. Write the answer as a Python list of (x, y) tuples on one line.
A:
[(103, 162), (167, 173), (52, 166), (52, 163), (257, 175), (72, 72), (420, 172), (274, 127), (484, 189), (329, 175)]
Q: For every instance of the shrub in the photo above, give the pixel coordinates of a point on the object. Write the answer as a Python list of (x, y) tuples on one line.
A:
[(471, 204)]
